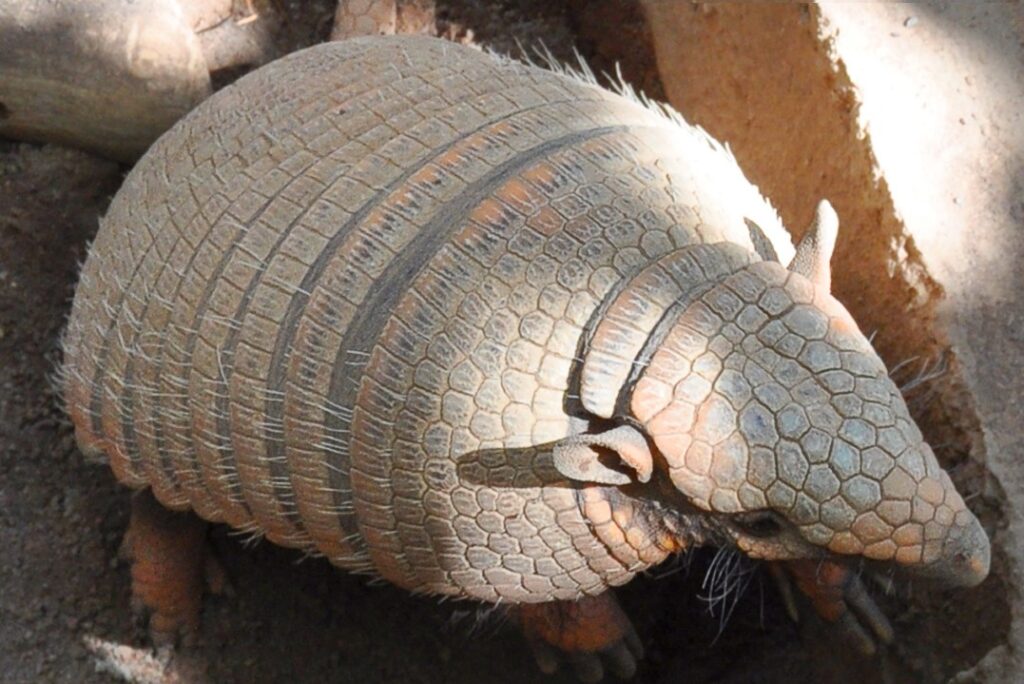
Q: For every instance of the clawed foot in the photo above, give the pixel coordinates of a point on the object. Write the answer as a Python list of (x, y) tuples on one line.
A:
[(591, 634), (839, 597), (171, 566)]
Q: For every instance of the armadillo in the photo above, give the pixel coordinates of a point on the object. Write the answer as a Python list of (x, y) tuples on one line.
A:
[(490, 331)]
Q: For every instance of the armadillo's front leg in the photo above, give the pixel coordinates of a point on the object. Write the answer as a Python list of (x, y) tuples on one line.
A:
[(171, 563), (590, 633), (838, 596)]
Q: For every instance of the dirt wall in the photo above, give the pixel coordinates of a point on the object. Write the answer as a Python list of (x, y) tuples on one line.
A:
[(774, 81)]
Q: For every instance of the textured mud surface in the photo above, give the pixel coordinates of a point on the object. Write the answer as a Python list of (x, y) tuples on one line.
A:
[(62, 588)]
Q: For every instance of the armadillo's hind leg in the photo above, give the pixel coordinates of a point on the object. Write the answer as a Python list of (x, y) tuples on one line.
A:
[(591, 634), (171, 565)]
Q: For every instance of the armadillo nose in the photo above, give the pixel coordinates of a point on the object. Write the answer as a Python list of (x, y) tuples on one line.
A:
[(967, 555), (979, 566)]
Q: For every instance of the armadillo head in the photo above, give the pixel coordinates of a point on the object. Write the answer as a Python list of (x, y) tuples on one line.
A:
[(774, 416)]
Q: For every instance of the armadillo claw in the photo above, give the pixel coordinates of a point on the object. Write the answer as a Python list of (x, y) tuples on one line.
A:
[(621, 659), (592, 634), (838, 595), (858, 598), (785, 586)]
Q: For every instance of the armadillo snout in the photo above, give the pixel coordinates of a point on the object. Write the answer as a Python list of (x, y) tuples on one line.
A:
[(966, 556)]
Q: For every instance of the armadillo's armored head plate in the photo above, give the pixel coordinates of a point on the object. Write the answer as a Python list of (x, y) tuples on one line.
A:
[(770, 407), (769, 410)]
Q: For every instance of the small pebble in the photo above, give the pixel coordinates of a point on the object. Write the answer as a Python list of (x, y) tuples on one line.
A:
[(910, 22)]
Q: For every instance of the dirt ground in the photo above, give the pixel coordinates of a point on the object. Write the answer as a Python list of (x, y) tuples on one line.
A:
[(64, 595)]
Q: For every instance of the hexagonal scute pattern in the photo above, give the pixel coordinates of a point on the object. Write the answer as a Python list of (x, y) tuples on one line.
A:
[(765, 395)]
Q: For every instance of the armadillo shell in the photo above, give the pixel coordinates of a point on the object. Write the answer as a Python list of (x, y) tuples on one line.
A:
[(345, 301)]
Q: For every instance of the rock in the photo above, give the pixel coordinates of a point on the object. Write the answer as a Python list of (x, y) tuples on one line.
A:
[(105, 76), (110, 76)]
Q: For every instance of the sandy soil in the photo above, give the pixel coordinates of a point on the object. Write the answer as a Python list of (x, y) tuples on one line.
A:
[(64, 606)]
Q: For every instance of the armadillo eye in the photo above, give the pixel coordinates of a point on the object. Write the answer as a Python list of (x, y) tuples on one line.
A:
[(761, 524)]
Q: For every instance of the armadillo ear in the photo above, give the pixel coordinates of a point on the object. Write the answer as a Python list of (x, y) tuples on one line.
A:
[(815, 249), (762, 245), (580, 457)]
